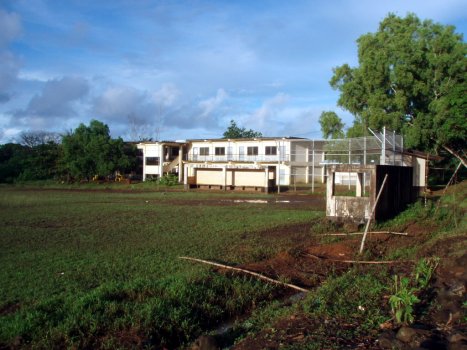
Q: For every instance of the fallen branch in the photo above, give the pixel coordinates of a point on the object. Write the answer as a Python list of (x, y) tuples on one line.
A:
[(258, 275), (361, 233), (359, 261)]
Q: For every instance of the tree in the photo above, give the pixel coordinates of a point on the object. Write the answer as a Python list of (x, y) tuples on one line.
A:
[(331, 125), (235, 132), (36, 138), (12, 161), (89, 151), (410, 78)]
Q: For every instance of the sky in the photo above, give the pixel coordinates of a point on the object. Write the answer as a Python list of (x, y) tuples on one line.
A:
[(174, 70)]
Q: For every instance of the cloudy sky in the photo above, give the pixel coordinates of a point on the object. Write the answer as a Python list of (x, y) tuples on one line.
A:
[(184, 69)]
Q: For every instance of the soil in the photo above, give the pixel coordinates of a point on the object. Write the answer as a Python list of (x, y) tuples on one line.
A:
[(441, 317)]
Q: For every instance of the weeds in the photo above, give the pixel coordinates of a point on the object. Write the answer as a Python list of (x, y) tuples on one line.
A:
[(406, 290), (403, 300), (424, 271)]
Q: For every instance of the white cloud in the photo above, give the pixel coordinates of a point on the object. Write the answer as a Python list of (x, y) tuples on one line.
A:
[(118, 102), (166, 95), (209, 105), (263, 116), (10, 27), (35, 75), (54, 102)]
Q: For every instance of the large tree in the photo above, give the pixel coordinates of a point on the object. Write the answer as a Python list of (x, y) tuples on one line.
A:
[(331, 125), (410, 78), (235, 132), (89, 151)]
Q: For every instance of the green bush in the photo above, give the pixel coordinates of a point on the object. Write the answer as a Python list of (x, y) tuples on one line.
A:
[(403, 300), (169, 180)]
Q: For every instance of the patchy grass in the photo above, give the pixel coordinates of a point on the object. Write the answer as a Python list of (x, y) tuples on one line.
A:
[(95, 268)]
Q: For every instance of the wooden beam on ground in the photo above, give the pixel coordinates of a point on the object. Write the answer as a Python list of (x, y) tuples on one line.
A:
[(361, 233), (360, 261), (258, 275)]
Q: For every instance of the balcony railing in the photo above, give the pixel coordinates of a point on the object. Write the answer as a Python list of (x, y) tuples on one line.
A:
[(239, 158)]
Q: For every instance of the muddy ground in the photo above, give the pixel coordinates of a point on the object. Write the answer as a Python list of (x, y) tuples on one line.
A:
[(313, 259)]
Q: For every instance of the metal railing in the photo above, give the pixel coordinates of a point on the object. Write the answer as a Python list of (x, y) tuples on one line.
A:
[(239, 158)]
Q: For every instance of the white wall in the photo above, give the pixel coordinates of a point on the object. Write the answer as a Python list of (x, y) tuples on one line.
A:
[(151, 150)]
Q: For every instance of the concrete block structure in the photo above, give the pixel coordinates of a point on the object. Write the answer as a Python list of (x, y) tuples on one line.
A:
[(357, 203)]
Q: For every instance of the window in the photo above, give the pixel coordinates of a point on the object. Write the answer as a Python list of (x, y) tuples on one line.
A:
[(252, 151), (271, 150), (174, 151), (220, 151), (152, 160), (204, 151)]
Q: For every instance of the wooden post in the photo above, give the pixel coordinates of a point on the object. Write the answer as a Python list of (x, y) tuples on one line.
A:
[(371, 214)]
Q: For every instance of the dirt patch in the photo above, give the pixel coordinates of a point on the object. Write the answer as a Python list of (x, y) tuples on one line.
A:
[(298, 330), (282, 201), (9, 309), (440, 317)]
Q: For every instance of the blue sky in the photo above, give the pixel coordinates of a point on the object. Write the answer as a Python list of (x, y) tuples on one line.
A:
[(184, 69)]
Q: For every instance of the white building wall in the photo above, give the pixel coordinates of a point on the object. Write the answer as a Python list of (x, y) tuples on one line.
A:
[(151, 150)]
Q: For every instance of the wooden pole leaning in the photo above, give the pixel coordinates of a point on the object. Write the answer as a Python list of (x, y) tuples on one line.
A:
[(371, 214)]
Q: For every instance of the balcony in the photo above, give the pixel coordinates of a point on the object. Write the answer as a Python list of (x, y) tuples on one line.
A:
[(239, 158)]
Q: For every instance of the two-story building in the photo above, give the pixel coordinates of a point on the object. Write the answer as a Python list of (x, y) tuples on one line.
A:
[(267, 163), (258, 164)]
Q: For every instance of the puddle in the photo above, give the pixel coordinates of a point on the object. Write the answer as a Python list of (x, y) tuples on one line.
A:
[(260, 201), (255, 201)]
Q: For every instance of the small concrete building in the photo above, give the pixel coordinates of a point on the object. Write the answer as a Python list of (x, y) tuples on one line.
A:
[(355, 203)]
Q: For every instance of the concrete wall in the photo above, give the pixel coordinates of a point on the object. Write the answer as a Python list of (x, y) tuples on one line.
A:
[(351, 208), (397, 193), (151, 150), (232, 177), (209, 177)]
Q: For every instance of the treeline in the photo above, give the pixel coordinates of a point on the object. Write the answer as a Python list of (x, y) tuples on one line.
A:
[(82, 154)]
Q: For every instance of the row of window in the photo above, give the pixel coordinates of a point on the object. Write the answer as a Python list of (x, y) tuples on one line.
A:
[(251, 151), (220, 151)]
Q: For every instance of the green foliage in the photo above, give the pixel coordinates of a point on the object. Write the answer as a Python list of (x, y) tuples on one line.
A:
[(403, 300), (168, 180), (89, 151), (331, 125), (12, 161), (24, 163), (410, 78), (424, 271), (235, 132), (405, 290)]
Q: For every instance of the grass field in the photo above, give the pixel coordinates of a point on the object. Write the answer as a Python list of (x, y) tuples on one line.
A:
[(101, 269)]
